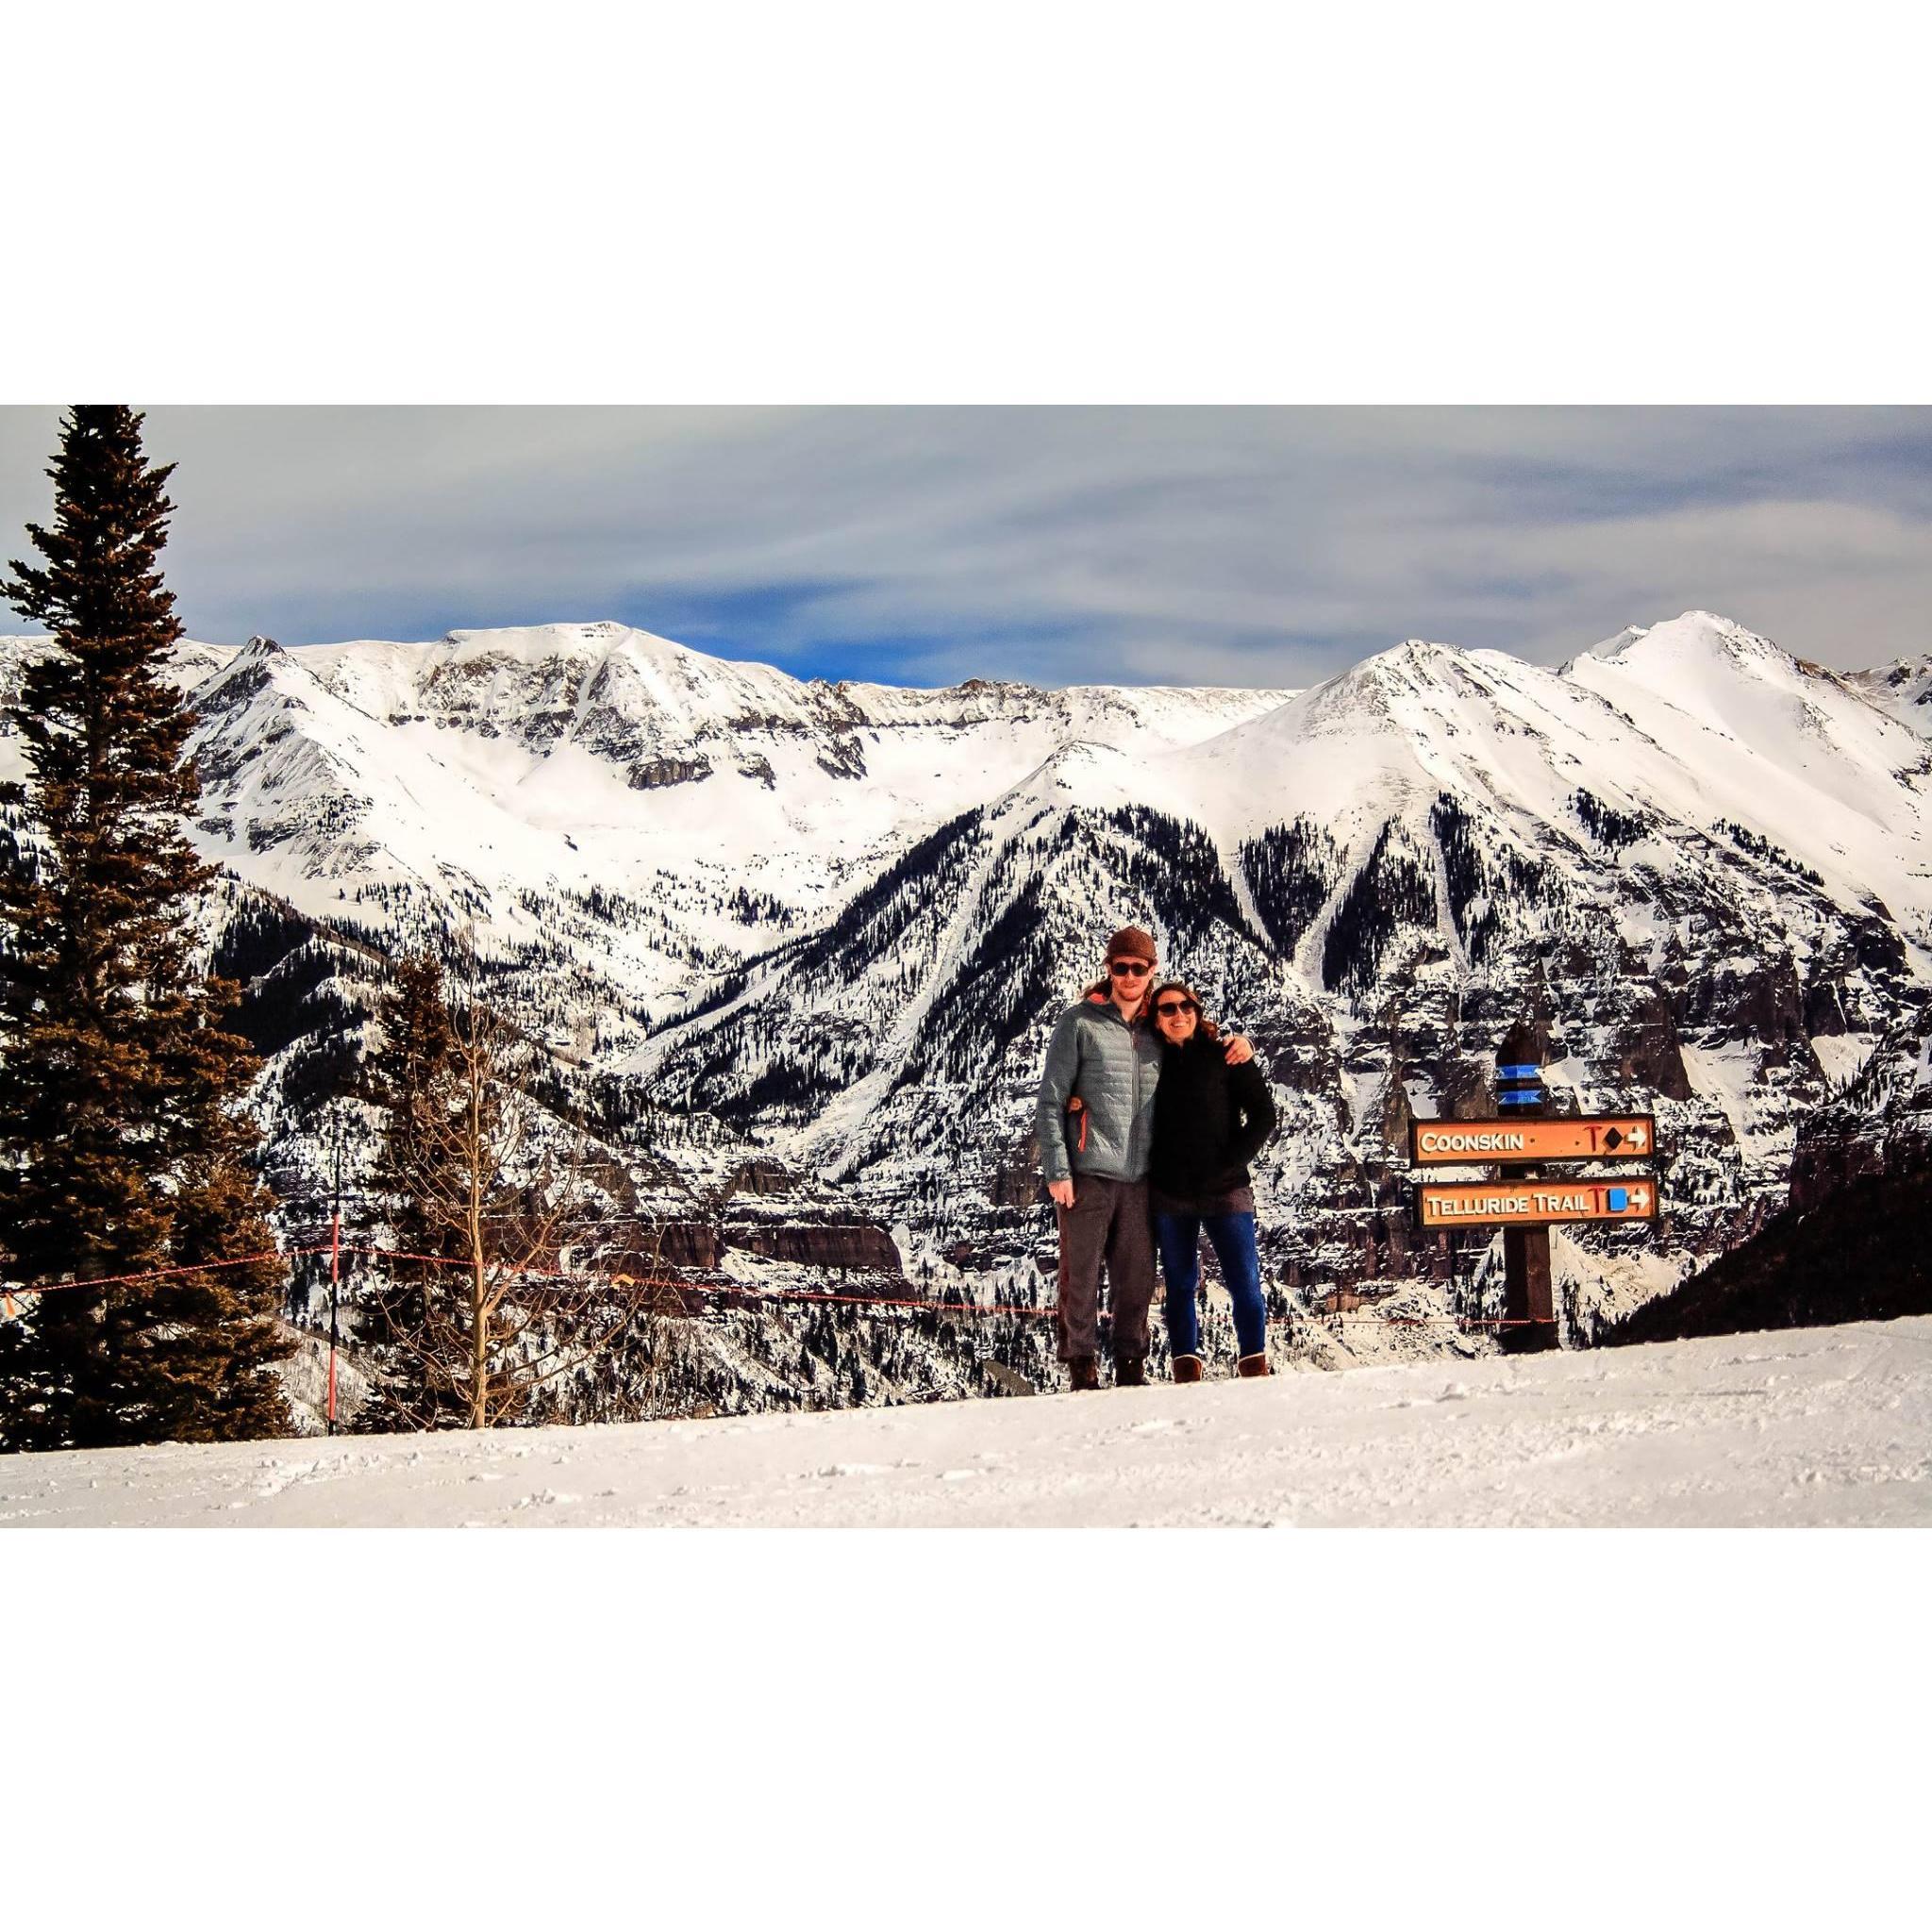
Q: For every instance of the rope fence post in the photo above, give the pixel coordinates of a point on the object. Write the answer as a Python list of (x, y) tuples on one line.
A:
[(335, 1275)]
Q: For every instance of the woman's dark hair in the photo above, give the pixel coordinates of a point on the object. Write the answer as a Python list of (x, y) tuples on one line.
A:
[(1203, 1025)]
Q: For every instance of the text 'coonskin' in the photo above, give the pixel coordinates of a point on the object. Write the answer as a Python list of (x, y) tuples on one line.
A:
[(1576, 1136)]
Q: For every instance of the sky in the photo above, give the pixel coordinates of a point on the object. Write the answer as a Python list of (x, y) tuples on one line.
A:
[(1264, 546)]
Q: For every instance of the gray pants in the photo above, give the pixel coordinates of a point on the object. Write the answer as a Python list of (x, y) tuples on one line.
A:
[(1108, 1222)]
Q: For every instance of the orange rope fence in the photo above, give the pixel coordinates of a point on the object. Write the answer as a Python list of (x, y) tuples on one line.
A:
[(730, 1291)]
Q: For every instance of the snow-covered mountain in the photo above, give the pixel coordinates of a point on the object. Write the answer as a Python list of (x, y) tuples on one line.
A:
[(704, 799), (817, 931)]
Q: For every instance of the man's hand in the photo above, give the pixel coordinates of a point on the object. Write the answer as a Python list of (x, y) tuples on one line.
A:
[(1239, 1050), (1062, 1192)]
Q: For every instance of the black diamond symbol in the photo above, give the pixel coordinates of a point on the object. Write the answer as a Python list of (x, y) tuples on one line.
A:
[(1613, 1140)]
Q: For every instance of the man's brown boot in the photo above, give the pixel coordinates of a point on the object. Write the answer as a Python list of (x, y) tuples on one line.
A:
[(1130, 1372), (1252, 1365), (1186, 1368), (1083, 1372)]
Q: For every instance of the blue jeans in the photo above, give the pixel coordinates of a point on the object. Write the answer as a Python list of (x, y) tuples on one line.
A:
[(1178, 1236)]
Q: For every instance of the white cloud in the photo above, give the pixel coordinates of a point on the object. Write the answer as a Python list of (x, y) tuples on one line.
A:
[(1247, 544)]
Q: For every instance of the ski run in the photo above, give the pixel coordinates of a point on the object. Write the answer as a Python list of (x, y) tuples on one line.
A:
[(1800, 1428)]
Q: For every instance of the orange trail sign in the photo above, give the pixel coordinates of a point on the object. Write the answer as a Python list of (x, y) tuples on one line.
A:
[(1579, 1137), (1533, 1204)]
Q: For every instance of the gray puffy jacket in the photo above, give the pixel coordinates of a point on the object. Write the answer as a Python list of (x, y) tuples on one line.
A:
[(1112, 1070)]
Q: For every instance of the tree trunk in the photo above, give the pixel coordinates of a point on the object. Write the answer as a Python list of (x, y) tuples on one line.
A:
[(480, 1348), (479, 1331)]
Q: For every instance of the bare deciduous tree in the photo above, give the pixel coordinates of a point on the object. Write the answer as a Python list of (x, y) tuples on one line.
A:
[(483, 1321)]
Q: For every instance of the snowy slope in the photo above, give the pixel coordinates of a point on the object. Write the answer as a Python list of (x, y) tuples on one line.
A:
[(1727, 724), (1818, 1427)]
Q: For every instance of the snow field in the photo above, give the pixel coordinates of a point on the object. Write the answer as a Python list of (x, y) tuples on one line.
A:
[(1798, 1427)]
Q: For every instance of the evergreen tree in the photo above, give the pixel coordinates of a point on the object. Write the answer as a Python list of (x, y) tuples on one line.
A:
[(414, 1076), (122, 1144), (415, 1086)]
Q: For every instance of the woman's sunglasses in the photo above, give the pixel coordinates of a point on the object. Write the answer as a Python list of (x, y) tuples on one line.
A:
[(1168, 1008), (1128, 968)]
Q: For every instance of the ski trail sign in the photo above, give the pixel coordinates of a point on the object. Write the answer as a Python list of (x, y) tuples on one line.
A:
[(1533, 1204), (1572, 1136)]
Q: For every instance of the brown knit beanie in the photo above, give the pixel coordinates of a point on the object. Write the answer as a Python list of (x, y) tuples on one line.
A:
[(1130, 943)]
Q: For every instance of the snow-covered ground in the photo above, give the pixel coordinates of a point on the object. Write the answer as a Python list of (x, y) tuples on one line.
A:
[(1801, 1427)]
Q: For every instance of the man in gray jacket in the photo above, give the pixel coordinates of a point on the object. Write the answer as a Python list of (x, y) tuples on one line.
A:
[(1095, 1126)]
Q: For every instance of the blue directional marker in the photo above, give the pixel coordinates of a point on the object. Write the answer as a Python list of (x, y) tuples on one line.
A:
[(1619, 1200)]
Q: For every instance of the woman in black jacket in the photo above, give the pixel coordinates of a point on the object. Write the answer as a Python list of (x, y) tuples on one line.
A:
[(1210, 1120)]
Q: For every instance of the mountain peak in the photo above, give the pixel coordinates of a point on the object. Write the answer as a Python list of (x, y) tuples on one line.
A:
[(1693, 642), (1416, 664), (533, 642)]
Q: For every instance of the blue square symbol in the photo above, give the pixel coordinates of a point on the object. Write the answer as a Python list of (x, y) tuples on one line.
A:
[(1619, 1200)]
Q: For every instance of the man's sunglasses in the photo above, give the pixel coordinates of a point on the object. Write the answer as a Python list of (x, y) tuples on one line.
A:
[(1128, 968), (1168, 1008)]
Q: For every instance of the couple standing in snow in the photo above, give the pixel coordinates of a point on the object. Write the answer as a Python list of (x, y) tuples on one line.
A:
[(1146, 1123)]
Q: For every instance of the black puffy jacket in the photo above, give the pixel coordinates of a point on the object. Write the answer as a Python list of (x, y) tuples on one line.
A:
[(1209, 1119)]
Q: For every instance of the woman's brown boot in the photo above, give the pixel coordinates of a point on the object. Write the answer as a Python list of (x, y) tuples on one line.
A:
[(1186, 1368), (1252, 1365), (1083, 1372), (1130, 1372)]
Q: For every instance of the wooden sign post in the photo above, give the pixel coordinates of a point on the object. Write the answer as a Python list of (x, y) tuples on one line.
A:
[(1529, 1306), (1523, 1200)]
